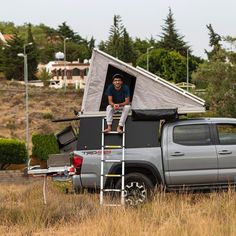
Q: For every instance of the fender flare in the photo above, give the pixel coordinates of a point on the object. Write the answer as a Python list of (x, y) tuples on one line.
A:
[(143, 167)]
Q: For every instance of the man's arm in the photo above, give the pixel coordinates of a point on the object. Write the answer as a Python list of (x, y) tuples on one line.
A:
[(110, 101), (126, 102), (116, 106)]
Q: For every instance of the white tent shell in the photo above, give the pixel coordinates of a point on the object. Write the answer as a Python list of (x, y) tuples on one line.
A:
[(150, 92)]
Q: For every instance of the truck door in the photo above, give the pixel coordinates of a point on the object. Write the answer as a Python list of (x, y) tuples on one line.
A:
[(192, 158), (226, 151)]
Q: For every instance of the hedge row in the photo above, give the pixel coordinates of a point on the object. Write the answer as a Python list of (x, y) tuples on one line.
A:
[(12, 151), (43, 145)]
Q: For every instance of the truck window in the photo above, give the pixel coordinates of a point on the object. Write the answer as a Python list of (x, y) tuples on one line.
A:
[(192, 135), (227, 134)]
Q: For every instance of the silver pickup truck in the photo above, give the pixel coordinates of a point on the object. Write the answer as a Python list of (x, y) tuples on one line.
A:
[(194, 153)]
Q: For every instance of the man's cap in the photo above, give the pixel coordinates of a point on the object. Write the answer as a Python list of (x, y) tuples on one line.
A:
[(118, 76)]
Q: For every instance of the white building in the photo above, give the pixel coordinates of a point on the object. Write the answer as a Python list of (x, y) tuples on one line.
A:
[(76, 72)]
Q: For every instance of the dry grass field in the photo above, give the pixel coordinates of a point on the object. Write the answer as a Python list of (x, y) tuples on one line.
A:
[(22, 213), (45, 104)]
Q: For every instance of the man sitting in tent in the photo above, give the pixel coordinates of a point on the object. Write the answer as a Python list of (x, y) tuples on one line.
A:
[(118, 99)]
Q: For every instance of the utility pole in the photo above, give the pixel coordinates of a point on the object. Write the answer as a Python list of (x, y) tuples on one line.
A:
[(148, 49), (24, 55), (187, 70), (65, 75)]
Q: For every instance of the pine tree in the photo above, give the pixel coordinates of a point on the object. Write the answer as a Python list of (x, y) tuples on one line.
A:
[(12, 65), (65, 31), (127, 52), (91, 45), (170, 39), (115, 38), (31, 51), (214, 42)]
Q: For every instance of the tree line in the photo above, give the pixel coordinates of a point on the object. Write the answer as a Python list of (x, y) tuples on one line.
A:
[(167, 58), (218, 75)]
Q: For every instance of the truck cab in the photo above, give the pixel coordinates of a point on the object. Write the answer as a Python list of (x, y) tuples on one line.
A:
[(200, 152)]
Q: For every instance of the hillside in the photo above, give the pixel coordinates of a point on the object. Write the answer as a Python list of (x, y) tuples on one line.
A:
[(45, 104)]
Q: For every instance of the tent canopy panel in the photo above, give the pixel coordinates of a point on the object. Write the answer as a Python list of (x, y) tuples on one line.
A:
[(147, 91)]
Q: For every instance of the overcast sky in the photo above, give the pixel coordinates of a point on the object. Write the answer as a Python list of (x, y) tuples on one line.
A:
[(142, 18)]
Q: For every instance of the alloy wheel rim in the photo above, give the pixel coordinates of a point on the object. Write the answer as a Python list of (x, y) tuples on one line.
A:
[(135, 193)]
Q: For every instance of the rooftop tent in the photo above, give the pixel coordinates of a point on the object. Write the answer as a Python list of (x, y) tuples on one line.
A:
[(148, 91)]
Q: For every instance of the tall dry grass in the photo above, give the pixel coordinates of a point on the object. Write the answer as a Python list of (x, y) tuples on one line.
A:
[(22, 213)]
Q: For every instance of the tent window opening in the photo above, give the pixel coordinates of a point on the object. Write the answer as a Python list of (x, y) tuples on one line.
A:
[(129, 80)]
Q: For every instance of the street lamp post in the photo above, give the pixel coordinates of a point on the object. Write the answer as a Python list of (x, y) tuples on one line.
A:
[(148, 49), (25, 45), (65, 75), (24, 55), (187, 67)]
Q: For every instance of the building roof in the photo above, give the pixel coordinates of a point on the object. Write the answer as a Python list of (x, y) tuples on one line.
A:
[(60, 65), (5, 37), (8, 36)]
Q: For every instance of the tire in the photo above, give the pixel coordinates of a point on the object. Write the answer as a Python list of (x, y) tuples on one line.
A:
[(138, 189)]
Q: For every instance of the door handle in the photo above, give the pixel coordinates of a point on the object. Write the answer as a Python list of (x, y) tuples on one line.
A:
[(224, 152), (177, 154)]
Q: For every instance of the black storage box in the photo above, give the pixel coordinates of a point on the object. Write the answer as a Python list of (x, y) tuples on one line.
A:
[(67, 140)]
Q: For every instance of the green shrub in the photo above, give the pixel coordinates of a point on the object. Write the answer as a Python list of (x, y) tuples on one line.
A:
[(43, 145), (48, 116), (12, 151)]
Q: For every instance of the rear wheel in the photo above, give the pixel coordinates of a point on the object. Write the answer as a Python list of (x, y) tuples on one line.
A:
[(138, 188)]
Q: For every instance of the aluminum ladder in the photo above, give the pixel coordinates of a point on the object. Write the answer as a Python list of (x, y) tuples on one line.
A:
[(104, 161)]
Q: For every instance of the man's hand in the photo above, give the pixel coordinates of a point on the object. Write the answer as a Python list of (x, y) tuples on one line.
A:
[(116, 106)]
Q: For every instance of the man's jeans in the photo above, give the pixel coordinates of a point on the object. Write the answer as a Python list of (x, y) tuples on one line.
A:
[(110, 111)]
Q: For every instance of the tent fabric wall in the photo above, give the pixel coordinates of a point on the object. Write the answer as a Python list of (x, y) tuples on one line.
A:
[(151, 92)]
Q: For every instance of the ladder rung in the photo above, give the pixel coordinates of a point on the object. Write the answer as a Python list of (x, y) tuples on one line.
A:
[(112, 161), (114, 132), (111, 132), (113, 146), (113, 175), (115, 117), (111, 190)]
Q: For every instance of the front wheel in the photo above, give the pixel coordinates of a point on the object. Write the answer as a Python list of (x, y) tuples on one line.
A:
[(138, 188)]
